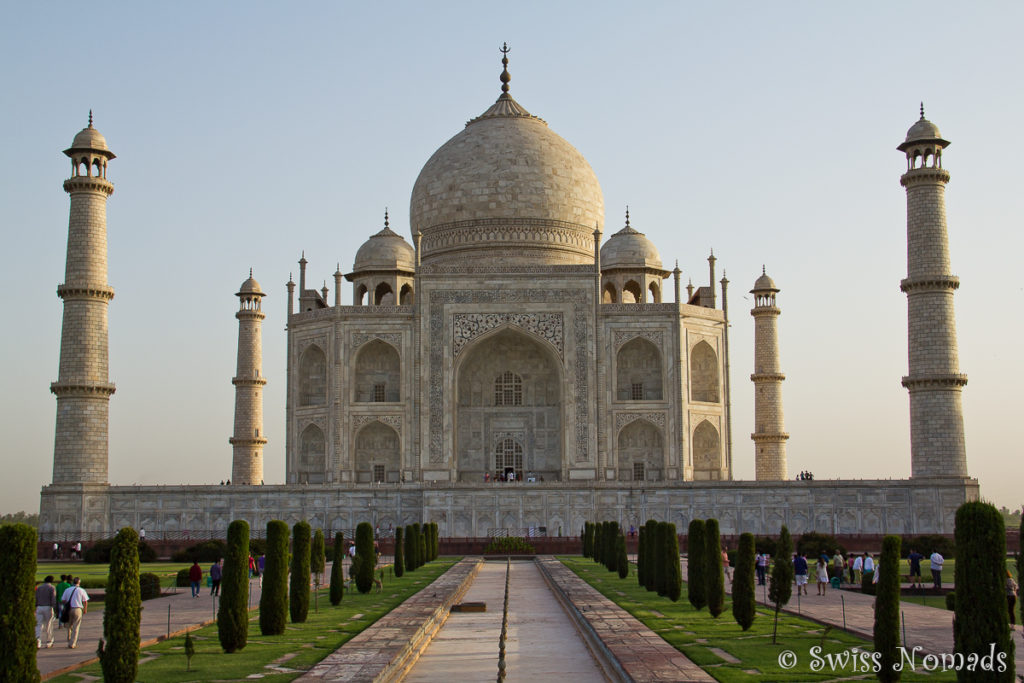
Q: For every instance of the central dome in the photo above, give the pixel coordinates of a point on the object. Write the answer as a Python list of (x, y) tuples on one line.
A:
[(506, 190)]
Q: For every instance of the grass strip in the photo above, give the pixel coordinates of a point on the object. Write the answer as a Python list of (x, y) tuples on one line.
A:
[(697, 635), (277, 658)]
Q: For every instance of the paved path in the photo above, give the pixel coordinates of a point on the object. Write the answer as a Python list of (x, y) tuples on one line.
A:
[(542, 642), (185, 612)]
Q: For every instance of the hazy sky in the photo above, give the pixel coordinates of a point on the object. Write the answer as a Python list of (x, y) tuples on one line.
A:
[(248, 132)]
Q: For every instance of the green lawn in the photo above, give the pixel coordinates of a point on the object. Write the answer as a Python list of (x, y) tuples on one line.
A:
[(278, 658), (167, 571), (696, 633)]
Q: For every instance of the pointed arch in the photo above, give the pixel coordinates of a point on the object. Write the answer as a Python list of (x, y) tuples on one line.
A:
[(405, 296), (383, 295), (313, 377), (654, 291), (378, 373), (632, 293), (377, 453), (361, 295), (640, 449), (707, 452), (312, 465), (638, 375), (610, 296), (704, 384)]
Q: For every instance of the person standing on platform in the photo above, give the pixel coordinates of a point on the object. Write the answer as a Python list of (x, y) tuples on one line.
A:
[(936, 561), (195, 575), (216, 572), (78, 600), (46, 603)]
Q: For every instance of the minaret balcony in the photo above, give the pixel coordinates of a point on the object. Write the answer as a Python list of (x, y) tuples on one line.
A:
[(944, 381), (931, 283), (88, 389), (85, 291), (249, 381), (89, 184), (926, 174)]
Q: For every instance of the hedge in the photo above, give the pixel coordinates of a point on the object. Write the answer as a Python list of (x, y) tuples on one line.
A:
[(673, 574), (149, 586), (744, 599), (651, 554), (233, 615), (780, 586), (366, 558), (274, 600), (399, 552), (18, 603), (714, 577), (317, 560), (119, 655), (298, 596), (337, 574), (509, 545), (621, 561), (696, 587), (207, 551), (99, 552), (887, 611)]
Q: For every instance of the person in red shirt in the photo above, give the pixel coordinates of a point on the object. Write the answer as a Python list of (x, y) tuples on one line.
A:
[(195, 575), (252, 566)]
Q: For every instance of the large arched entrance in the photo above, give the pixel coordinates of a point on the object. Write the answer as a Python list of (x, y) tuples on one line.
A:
[(508, 409)]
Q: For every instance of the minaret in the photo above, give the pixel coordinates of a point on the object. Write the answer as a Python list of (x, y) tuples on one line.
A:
[(935, 382), (248, 441), (769, 430), (83, 388)]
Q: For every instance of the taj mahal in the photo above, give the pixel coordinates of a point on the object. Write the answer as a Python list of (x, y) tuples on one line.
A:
[(514, 364)]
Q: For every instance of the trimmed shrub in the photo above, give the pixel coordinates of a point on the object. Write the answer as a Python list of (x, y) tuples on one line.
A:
[(317, 559), (780, 586), (714, 577), (981, 619), (233, 615), (673, 574), (611, 560), (435, 541), (337, 574), (598, 537), (867, 583), (744, 600), (274, 600), (182, 580), (399, 552), (641, 564), (951, 601), (585, 539), (207, 551), (622, 562), (298, 596), (257, 546), (696, 586), (410, 551), (367, 558), (18, 603), (119, 655), (509, 545), (99, 553), (814, 544), (660, 584), (928, 543), (149, 586), (765, 544), (417, 548), (422, 556), (651, 554), (887, 610)]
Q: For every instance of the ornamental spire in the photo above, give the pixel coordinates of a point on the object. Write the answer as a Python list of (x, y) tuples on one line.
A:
[(386, 223), (505, 76), (90, 118), (922, 111)]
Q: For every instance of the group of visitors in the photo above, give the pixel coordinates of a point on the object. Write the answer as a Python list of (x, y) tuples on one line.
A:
[(74, 551), (195, 576), (66, 610)]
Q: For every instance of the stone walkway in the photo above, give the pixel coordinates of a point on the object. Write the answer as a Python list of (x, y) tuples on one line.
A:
[(186, 613)]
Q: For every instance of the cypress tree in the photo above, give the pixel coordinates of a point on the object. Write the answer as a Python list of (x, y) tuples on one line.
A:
[(233, 615), (696, 587), (317, 562), (887, 610), (641, 564), (981, 619), (399, 552), (366, 558), (417, 551), (421, 557), (744, 600), (660, 559), (673, 573), (598, 533), (298, 596), (410, 553), (119, 655), (337, 573), (611, 558), (18, 603), (780, 586), (590, 539), (650, 553), (583, 539), (622, 562), (433, 541), (274, 600), (714, 577)]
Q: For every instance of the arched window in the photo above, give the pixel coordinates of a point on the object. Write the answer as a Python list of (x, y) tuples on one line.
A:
[(405, 296), (378, 449), (707, 452), (378, 373), (313, 377), (704, 373), (383, 295), (631, 293), (508, 389), (641, 451), (312, 456), (655, 293), (361, 295), (610, 296), (638, 371), (509, 456)]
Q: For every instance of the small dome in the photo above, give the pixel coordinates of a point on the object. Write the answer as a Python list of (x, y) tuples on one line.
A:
[(250, 286), (90, 138), (385, 251), (629, 248), (764, 284), (923, 130)]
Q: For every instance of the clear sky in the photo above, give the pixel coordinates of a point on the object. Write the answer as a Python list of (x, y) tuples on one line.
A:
[(248, 132)]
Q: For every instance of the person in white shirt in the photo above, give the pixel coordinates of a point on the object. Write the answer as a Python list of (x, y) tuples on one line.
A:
[(869, 564), (78, 599), (936, 562), (856, 568)]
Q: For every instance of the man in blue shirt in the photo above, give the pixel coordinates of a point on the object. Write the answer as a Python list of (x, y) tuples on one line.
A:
[(800, 568), (915, 568)]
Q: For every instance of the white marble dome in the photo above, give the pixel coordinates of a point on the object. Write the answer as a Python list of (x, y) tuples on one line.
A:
[(631, 249), (385, 250), (506, 190)]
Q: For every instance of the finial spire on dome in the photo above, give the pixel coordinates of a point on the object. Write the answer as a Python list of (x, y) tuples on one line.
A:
[(386, 224), (762, 270), (505, 76), (90, 118), (250, 272), (627, 215), (922, 111)]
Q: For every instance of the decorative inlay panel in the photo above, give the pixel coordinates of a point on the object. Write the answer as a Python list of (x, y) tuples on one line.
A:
[(623, 336), (304, 343), (393, 338), (393, 421), (468, 326), (623, 419)]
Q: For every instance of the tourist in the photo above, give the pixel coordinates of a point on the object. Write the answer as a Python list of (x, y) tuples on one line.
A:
[(216, 572), (822, 573), (725, 565), (142, 533), (78, 604), (261, 565), (761, 565), (869, 563), (195, 575), (252, 566), (800, 568), (1011, 597), (856, 568), (936, 561), (839, 564), (46, 602), (65, 583), (914, 558), (56, 550), (78, 549)]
